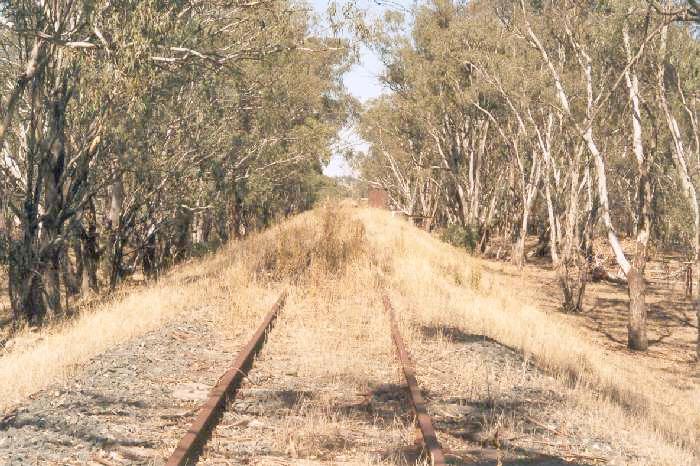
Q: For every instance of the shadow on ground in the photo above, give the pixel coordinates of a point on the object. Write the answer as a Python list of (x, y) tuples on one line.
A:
[(471, 418), (79, 428)]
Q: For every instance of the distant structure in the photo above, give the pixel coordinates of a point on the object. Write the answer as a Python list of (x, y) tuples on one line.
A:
[(378, 198)]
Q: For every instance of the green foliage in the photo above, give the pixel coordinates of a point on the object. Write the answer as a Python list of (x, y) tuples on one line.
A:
[(466, 237), (474, 106), (174, 126)]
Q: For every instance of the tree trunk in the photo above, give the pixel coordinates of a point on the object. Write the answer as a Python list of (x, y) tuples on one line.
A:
[(637, 331), (71, 279), (115, 242), (24, 285), (90, 249), (572, 288), (234, 215), (52, 168), (680, 160), (35, 63), (24, 281), (183, 233), (150, 249), (52, 284), (222, 226), (530, 192), (79, 262), (637, 334), (116, 257), (518, 255)]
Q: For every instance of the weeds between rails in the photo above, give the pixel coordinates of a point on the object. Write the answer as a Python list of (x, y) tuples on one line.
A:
[(191, 445), (608, 390)]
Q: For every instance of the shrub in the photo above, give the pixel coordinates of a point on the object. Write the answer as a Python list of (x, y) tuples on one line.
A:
[(460, 236), (322, 245)]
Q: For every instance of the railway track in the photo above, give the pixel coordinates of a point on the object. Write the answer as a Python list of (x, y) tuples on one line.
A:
[(426, 430), (191, 445)]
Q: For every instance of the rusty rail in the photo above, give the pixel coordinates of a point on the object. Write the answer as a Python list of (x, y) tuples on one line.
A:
[(190, 447), (430, 441)]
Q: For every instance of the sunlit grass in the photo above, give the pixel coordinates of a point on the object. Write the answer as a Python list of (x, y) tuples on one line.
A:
[(336, 261)]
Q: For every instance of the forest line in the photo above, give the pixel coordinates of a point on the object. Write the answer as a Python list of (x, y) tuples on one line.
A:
[(570, 119), (136, 133)]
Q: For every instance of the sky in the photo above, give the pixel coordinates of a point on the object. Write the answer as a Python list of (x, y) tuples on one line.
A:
[(363, 83)]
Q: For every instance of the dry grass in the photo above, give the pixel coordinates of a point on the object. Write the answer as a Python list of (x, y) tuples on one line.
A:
[(328, 352), (217, 288), (310, 248), (438, 286), (340, 351), (335, 261), (445, 287), (226, 287)]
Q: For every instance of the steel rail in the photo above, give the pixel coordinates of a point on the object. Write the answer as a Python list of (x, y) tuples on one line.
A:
[(190, 447), (430, 441)]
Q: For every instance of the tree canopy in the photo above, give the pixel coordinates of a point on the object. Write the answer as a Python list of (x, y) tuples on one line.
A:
[(568, 119), (136, 131)]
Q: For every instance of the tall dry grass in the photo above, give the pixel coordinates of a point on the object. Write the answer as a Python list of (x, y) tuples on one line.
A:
[(329, 346), (227, 286), (309, 248), (442, 286), (361, 251), (219, 288)]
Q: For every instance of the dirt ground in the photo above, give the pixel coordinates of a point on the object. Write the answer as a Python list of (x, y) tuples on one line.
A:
[(671, 319)]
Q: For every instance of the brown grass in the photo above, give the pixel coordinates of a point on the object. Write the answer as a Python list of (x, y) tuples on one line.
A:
[(446, 287), (335, 261), (306, 250), (218, 287), (329, 346)]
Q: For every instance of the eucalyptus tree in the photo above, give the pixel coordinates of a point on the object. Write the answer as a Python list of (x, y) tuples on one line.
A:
[(605, 68), (583, 113), (447, 137), (133, 129), (401, 161), (676, 79), (47, 166), (251, 116)]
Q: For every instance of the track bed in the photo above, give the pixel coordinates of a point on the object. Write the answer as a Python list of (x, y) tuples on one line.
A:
[(127, 406)]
